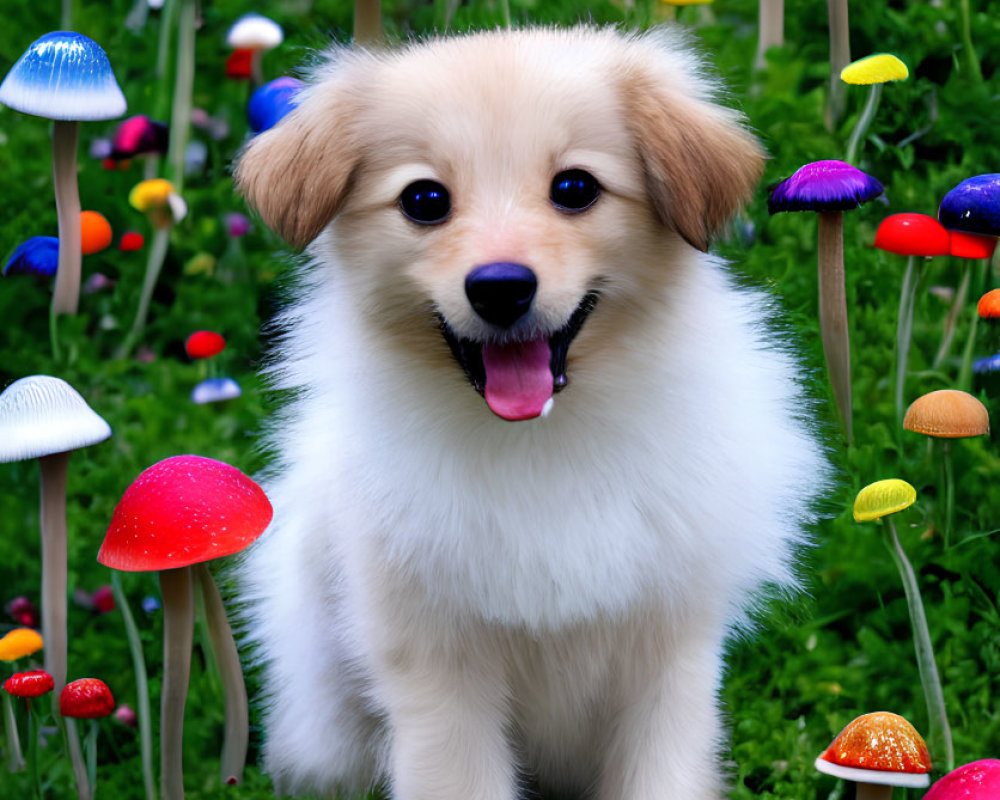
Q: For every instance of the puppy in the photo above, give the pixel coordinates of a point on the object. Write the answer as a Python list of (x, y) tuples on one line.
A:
[(540, 453)]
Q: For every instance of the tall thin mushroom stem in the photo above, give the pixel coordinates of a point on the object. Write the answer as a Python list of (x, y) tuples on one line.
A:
[(154, 264), (930, 680), (864, 122), (368, 22), (833, 313), (904, 332), (15, 756), (237, 729), (178, 636), (66, 294), (840, 57), (771, 29)]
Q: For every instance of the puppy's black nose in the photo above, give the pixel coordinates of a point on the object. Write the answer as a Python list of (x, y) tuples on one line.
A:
[(501, 293)]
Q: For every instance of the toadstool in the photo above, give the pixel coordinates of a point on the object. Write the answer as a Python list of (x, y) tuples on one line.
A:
[(38, 255), (65, 77), (878, 502), (979, 780), (272, 101), (178, 514), (910, 235), (874, 71), (258, 34), (878, 751), (829, 188)]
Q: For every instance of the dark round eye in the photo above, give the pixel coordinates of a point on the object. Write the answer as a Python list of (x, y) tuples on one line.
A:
[(425, 202), (574, 190)]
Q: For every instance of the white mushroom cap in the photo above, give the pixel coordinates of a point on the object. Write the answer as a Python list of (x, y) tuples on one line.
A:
[(64, 76), (910, 780), (41, 415), (254, 32)]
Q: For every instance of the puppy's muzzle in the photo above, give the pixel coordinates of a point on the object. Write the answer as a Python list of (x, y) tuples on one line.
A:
[(501, 293)]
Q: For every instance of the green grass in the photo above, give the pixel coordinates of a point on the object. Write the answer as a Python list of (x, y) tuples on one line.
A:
[(841, 649)]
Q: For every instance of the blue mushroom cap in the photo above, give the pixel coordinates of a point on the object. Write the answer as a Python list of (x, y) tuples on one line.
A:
[(973, 206), (63, 76), (988, 365), (212, 390), (271, 102), (37, 256), (824, 186)]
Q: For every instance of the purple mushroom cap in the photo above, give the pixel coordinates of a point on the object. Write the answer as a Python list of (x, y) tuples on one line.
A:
[(824, 186), (973, 206), (979, 780), (139, 135)]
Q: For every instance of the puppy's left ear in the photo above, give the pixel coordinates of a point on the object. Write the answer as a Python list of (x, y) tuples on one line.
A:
[(701, 163)]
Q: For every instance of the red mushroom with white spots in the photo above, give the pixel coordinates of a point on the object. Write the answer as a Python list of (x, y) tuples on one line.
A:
[(177, 515)]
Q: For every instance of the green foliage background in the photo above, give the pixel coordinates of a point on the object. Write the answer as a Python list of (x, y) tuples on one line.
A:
[(841, 649)]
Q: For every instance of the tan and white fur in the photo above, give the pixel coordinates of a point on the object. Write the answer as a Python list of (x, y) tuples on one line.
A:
[(459, 606)]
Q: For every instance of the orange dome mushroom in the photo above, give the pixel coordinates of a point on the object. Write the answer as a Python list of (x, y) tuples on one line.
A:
[(878, 751), (947, 414)]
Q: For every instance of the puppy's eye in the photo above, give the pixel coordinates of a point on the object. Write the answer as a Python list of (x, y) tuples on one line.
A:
[(574, 190), (425, 202)]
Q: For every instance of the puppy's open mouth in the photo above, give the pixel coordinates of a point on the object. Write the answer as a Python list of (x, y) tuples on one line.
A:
[(519, 377)]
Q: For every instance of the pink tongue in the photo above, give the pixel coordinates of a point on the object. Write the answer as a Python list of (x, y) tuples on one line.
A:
[(518, 378)]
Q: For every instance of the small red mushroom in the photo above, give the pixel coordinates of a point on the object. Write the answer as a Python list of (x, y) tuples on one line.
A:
[(178, 514), (204, 344), (86, 698), (33, 683)]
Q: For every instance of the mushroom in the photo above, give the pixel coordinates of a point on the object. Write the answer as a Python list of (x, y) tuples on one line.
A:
[(988, 306), (909, 235), (874, 71), (45, 418), (979, 780), (878, 751), (258, 34), (14, 645), (214, 390), (28, 686), (65, 77), (204, 344), (39, 255), (878, 502), (829, 188), (139, 136), (157, 199), (131, 240), (178, 514), (947, 414), (971, 212), (86, 698), (95, 232), (271, 102)]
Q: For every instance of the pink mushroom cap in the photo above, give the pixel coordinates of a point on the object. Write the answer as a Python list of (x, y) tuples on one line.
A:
[(979, 780)]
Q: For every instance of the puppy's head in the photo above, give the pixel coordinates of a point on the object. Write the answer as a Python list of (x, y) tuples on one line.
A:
[(503, 182)]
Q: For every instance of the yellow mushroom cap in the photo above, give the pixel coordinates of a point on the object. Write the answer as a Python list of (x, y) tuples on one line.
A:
[(947, 414), (881, 498), (878, 68), (150, 194), (19, 643)]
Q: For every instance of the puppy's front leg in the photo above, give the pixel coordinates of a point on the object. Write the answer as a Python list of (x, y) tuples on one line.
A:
[(448, 721), (664, 745)]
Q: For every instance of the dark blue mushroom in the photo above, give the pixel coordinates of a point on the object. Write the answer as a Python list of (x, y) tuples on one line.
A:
[(37, 256), (973, 206)]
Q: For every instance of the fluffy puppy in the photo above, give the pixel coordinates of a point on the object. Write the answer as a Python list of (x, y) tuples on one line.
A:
[(540, 453)]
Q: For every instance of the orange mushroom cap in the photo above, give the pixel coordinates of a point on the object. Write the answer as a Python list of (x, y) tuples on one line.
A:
[(880, 747), (947, 414), (989, 305)]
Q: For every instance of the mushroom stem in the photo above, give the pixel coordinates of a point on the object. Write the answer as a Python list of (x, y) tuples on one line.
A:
[(180, 119), (178, 633), (237, 730), (154, 263), (840, 57), (141, 685), (904, 332), (771, 29), (15, 758), (66, 294), (833, 313), (940, 732), (949, 492), (950, 320), (965, 370), (53, 470), (873, 791), (971, 59), (368, 22), (864, 122)]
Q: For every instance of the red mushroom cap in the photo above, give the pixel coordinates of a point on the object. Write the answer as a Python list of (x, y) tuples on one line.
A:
[(131, 241), (979, 780), (33, 683), (971, 245), (238, 63), (86, 698), (182, 511), (880, 747), (912, 235), (204, 344)]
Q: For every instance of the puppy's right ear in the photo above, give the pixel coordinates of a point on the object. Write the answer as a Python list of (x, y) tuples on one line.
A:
[(297, 174)]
